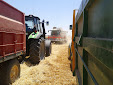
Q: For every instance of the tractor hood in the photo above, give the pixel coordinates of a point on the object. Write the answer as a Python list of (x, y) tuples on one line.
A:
[(34, 35)]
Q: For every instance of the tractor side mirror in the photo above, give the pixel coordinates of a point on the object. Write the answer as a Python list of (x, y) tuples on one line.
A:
[(70, 27), (47, 23)]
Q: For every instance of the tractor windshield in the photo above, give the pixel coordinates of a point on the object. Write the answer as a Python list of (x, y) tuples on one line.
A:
[(29, 24)]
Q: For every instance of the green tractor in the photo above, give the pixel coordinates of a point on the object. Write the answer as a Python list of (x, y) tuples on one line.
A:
[(37, 47)]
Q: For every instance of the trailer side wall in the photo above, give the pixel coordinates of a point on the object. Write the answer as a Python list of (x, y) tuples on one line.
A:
[(12, 32), (94, 23)]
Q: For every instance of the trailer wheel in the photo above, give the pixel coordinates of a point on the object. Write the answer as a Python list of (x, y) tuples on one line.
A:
[(70, 57), (69, 52), (71, 65), (9, 72), (36, 52)]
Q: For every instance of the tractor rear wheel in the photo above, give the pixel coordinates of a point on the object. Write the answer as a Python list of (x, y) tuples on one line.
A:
[(36, 52)]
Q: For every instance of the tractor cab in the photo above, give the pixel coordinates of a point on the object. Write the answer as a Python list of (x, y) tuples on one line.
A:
[(32, 24)]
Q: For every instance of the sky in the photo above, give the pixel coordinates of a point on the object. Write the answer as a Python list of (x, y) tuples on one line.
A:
[(59, 13)]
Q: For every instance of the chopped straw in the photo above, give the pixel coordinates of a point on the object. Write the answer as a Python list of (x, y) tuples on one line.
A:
[(54, 70)]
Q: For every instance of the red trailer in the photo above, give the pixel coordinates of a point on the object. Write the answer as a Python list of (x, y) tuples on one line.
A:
[(12, 42)]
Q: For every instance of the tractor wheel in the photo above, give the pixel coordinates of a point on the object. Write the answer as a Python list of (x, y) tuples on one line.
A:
[(36, 52), (48, 47), (9, 72), (48, 51)]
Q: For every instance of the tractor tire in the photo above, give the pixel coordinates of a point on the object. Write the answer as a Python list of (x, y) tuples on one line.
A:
[(9, 72), (69, 52), (36, 52), (48, 47)]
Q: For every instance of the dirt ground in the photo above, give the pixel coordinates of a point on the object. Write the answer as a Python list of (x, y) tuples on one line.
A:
[(54, 70)]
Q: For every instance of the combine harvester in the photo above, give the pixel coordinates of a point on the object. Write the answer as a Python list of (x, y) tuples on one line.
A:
[(15, 37), (57, 35), (91, 50)]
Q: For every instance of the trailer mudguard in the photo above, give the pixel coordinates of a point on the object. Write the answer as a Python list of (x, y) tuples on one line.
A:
[(34, 35)]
